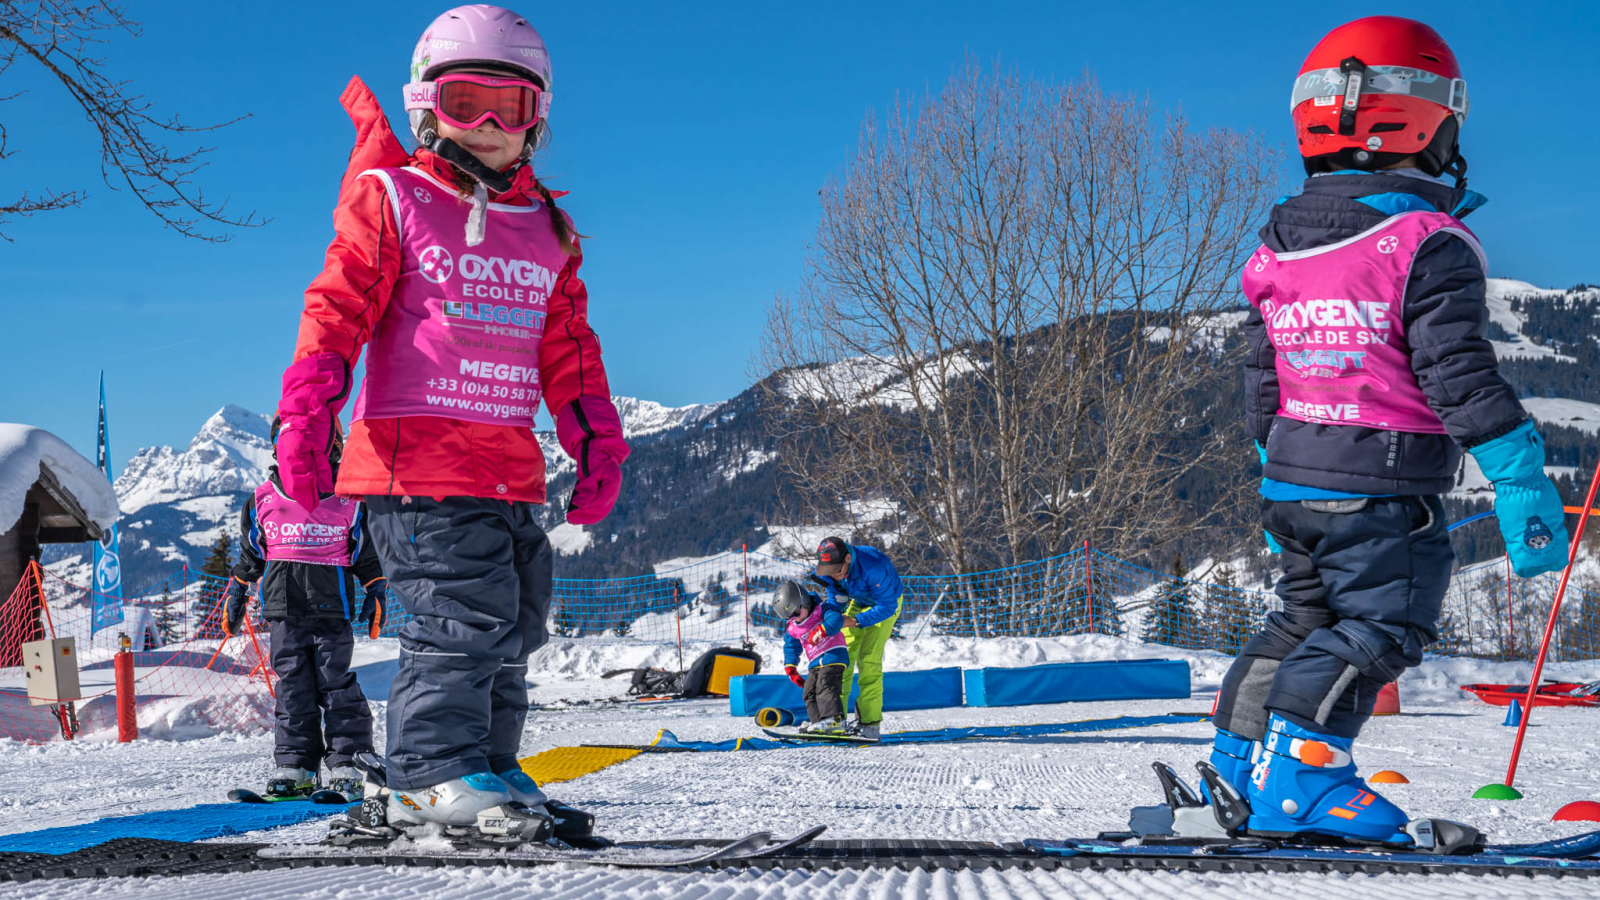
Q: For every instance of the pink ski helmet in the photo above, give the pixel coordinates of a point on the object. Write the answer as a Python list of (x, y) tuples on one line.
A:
[(478, 34)]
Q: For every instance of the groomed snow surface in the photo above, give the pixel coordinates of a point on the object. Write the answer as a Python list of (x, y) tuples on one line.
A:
[(995, 790)]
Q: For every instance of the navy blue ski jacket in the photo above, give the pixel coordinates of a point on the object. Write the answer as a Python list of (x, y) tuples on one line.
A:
[(1446, 318), (294, 590)]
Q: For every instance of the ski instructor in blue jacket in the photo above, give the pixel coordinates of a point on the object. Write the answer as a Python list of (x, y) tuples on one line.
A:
[(868, 579)]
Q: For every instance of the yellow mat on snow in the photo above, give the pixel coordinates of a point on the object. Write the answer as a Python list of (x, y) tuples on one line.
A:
[(566, 763)]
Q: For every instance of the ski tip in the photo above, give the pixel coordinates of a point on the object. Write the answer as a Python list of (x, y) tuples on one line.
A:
[(241, 795), (807, 836), (330, 797)]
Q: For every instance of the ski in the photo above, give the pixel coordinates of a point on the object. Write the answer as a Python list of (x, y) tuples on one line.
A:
[(1571, 855), (752, 846), (245, 795), (799, 736)]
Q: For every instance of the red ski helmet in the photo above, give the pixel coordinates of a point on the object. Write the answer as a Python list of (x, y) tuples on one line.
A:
[(1377, 90)]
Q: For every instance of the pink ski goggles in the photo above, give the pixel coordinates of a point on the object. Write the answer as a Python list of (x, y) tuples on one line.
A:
[(467, 101)]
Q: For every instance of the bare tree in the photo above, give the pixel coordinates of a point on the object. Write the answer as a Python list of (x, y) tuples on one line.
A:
[(60, 37), (1013, 320)]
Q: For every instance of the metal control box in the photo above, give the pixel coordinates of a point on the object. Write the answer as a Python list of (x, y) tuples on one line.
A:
[(52, 670)]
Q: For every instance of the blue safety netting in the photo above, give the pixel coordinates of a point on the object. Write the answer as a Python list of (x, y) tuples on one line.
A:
[(725, 599)]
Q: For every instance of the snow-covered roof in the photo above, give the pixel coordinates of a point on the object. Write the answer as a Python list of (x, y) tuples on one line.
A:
[(24, 449)]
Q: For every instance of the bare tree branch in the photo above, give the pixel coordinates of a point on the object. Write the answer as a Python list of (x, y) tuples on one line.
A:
[(58, 36), (1010, 326)]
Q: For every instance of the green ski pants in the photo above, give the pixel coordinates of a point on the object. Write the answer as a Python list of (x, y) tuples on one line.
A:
[(866, 656)]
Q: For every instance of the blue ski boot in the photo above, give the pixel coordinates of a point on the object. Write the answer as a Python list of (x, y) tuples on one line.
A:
[(1306, 784), (1233, 756)]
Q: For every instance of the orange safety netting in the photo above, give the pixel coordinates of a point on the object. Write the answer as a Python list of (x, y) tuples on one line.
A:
[(188, 675)]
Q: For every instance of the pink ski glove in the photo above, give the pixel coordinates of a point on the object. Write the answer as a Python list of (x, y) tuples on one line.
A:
[(591, 432), (314, 390)]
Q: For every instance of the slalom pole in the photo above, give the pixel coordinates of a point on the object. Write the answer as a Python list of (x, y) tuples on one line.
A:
[(1506, 791)]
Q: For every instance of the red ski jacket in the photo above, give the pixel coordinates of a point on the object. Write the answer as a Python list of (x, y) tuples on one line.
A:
[(429, 455)]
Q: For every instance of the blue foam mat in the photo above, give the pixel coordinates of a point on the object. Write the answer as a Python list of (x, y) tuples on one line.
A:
[(902, 691), (196, 823), (937, 735), (1074, 682)]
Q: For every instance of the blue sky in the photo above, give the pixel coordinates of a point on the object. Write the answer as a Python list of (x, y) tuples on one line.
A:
[(694, 139)]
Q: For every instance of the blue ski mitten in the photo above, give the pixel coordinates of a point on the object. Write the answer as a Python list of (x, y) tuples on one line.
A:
[(1526, 503), (1272, 542)]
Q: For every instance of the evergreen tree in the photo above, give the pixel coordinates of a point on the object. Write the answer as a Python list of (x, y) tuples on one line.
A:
[(220, 560), (218, 565), (1171, 616), (167, 620), (1230, 617), (718, 597), (565, 622)]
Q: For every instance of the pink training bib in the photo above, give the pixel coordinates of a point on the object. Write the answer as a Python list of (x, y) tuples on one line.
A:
[(814, 641), (1335, 317), (460, 337), (285, 532)]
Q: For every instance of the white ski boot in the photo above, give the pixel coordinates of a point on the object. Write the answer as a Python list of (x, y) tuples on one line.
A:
[(291, 781), (524, 789), (478, 807), (864, 731), (573, 826), (347, 780)]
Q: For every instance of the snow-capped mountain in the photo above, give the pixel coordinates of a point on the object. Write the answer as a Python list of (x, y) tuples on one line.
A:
[(176, 503), (641, 418), (230, 454)]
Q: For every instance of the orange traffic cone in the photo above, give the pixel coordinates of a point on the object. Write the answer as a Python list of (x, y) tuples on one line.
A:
[(1388, 700)]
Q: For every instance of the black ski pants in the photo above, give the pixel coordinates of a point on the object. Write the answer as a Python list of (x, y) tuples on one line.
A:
[(476, 577), (1362, 586), (824, 692), (321, 714)]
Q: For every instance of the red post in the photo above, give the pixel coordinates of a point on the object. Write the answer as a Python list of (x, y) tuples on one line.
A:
[(127, 715), (745, 549), (1088, 584), (1550, 625)]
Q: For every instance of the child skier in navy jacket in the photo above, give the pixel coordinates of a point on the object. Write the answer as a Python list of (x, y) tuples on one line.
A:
[(1368, 373), (815, 629), (317, 572)]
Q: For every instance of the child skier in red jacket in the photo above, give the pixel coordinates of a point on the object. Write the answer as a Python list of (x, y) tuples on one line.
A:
[(457, 272)]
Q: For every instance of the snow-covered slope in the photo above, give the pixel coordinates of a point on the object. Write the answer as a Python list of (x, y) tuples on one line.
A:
[(1558, 411), (1445, 743), (231, 453), (1501, 292)]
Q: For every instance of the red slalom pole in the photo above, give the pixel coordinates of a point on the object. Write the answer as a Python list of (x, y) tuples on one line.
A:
[(1550, 625)]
